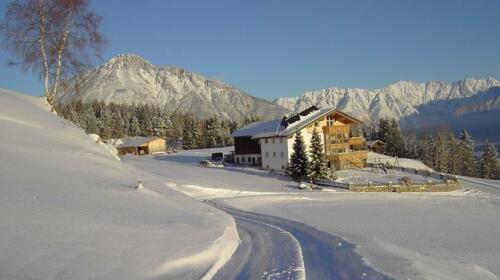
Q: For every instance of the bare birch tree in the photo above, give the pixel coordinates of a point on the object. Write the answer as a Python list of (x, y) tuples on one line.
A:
[(54, 38)]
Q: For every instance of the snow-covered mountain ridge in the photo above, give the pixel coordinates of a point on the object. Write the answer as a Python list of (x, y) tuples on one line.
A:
[(410, 102), (130, 79)]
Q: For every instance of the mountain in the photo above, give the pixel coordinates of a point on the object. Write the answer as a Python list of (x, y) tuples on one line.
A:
[(469, 103), (130, 79)]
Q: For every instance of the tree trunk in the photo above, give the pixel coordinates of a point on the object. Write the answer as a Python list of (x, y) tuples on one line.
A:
[(42, 27), (60, 51)]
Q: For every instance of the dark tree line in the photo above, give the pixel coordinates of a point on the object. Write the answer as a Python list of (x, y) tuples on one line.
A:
[(111, 121), (443, 151)]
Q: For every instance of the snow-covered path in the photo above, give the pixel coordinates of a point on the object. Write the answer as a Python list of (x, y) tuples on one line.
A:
[(491, 187), (276, 248)]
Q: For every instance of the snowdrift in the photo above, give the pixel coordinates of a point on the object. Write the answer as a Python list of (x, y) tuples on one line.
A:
[(70, 211)]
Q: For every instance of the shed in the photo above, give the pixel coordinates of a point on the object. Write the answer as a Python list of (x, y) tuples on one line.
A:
[(141, 145), (376, 146)]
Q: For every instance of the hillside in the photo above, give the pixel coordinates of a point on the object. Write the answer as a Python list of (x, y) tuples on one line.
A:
[(70, 211), (423, 106), (130, 79)]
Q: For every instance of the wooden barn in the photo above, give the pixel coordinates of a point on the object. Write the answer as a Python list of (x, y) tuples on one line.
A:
[(141, 145), (376, 146)]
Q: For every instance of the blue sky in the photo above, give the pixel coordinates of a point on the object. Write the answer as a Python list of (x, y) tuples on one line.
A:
[(271, 48)]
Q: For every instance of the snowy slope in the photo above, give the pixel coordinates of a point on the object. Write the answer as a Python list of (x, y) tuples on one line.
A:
[(69, 209), (459, 104), (407, 236), (129, 79)]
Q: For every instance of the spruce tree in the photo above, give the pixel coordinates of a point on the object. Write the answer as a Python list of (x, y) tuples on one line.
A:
[(189, 140), (318, 166), (105, 124), (212, 133), (465, 155), (441, 154), (134, 127), (299, 163), (92, 125), (489, 162), (453, 158)]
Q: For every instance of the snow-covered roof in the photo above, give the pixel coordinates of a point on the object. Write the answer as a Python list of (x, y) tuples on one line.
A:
[(130, 142), (371, 142), (303, 121), (287, 125), (257, 128)]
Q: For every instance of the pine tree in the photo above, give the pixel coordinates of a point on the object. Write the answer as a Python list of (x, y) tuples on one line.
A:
[(453, 159), (465, 155), (92, 124), (189, 139), (212, 133), (426, 151), (441, 154), (299, 163), (318, 166), (134, 128), (105, 123), (489, 162), (116, 125)]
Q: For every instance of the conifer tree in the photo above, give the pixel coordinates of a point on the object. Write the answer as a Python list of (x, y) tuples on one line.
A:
[(465, 155), (299, 163), (441, 155), (318, 166), (92, 125), (189, 139), (211, 133), (116, 126), (134, 127), (105, 124), (489, 162), (453, 159)]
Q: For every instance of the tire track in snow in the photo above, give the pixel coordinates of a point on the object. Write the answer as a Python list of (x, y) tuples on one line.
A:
[(266, 251)]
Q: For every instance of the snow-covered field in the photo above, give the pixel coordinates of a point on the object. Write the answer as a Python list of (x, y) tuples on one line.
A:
[(69, 209), (406, 236)]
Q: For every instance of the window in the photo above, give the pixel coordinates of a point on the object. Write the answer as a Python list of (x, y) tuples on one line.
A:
[(282, 154), (249, 159), (267, 154), (266, 140), (274, 154), (281, 140), (237, 160), (330, 120), (273, 140), (242, 159)]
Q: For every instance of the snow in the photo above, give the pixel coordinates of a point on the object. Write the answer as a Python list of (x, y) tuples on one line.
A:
[(402, 162), (108, 147), (450, 235), (406, 236), (258, 127), (70, 209), (423, 106), (130, 79), (134, 141)]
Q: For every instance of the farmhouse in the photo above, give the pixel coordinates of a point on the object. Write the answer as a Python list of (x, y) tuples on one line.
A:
[(141, 145), (270, 143), (376, 146)]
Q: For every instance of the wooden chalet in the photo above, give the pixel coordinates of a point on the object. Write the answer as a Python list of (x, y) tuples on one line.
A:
[(270, 143), (141, 145), (376, 146)]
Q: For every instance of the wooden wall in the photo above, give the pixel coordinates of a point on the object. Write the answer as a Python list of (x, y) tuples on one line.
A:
[(157, 145)]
